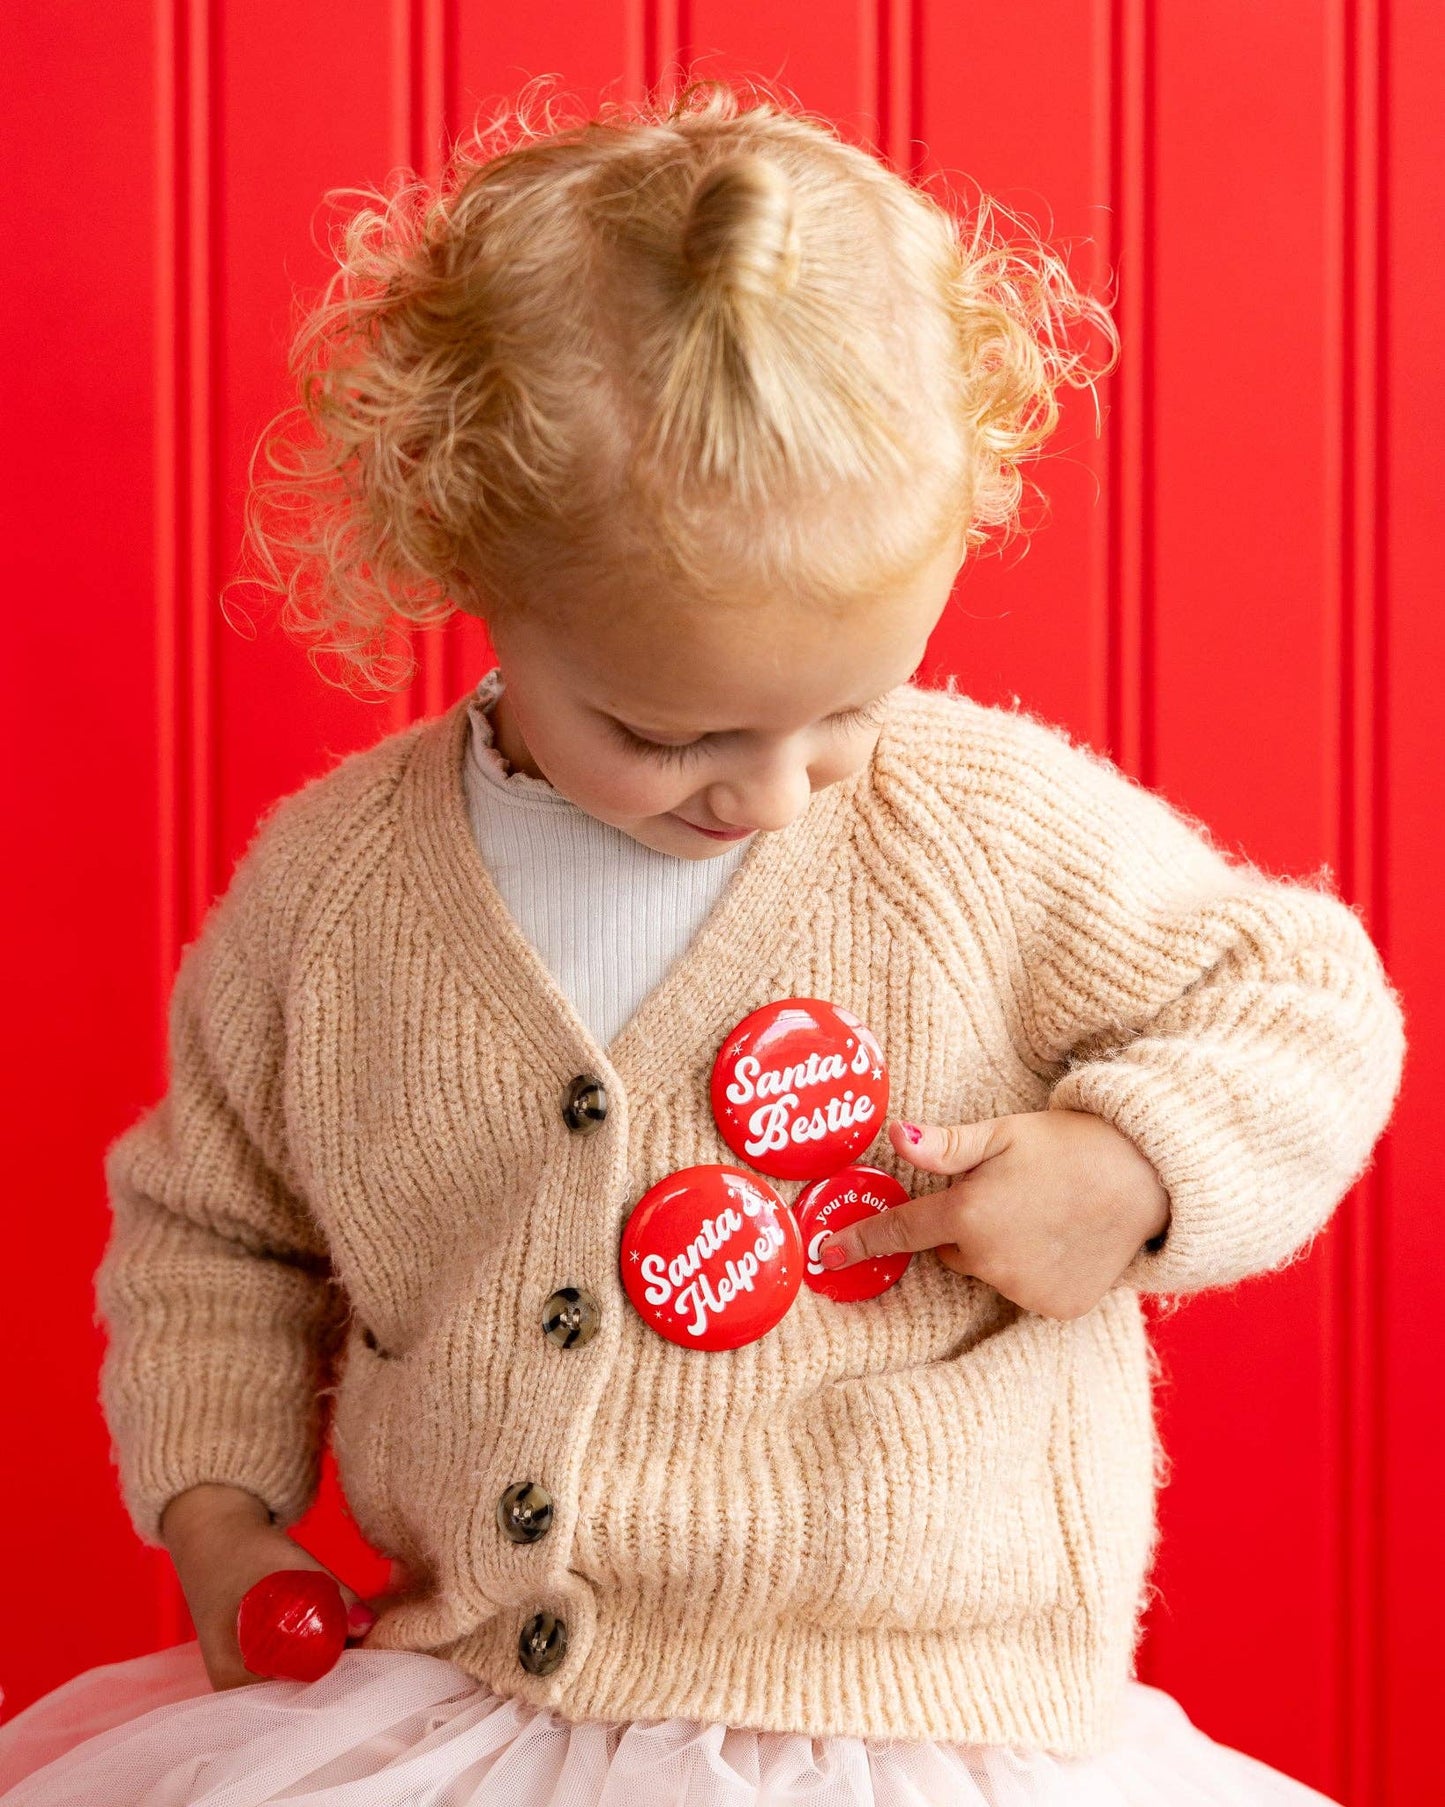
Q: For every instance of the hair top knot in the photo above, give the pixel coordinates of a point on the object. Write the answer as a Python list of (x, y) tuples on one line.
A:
[(702, 344), (740, 237)]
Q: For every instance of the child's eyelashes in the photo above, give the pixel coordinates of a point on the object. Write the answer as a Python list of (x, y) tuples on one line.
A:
[(664, 752), (869, 715)]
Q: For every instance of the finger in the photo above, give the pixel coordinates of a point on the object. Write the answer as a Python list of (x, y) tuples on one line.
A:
[(359, 1616), (952, 1257), (950, 1148), (918, 1223)]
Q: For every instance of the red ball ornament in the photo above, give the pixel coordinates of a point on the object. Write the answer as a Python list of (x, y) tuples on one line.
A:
[(799, 1088), (834, 1203), (711, 1257), (291, 1625)]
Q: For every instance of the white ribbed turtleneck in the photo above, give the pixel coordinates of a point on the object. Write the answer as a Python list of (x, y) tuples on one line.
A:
[(608, 915)]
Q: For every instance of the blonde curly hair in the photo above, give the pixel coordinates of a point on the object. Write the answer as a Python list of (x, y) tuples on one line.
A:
[(706, 344)]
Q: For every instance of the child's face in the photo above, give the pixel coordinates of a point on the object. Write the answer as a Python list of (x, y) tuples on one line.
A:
[(690, 731)]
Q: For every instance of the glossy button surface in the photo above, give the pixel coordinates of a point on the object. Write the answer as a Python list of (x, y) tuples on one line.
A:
[(584, 1104), (711, 1257), (570, 1316), (542, 1643), (832, 1204), (525, 1511), (799, 1088)]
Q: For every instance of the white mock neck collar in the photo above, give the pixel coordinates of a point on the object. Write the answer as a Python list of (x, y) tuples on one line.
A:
[(485, 757)]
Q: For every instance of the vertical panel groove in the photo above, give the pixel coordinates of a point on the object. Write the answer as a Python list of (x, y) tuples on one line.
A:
[(1355, 470), (168, 553), (200, 459), (898, 80), (651, 34), (1103, 278), (185, 483), (1128, 555), (666, 34), (424, 38), (168, 509), (882, 92), (1131, 474), (439, 112), (1341, 1321), (918, 149)]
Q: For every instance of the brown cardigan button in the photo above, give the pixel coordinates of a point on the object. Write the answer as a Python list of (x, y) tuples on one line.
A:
[(542, 1643), (570, 1316), (584, 1104), (525, 1511)]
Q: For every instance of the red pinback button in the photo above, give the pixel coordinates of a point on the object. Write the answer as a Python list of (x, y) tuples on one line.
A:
[(291, 1625), (711, 1257), (834, 1203), (799, 1088)]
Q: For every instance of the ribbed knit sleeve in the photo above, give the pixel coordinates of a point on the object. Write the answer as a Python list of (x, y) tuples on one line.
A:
[(1239, 1029), (214, 1287), (1236, 1027)]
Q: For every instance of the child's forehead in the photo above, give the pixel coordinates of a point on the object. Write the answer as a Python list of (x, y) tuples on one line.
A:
[(747, 697), (677, 667)]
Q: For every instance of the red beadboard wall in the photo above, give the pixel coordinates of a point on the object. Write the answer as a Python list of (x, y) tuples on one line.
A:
[(1235, 595)]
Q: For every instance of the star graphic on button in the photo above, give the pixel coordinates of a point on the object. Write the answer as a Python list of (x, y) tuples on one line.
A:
[(636, 1256)]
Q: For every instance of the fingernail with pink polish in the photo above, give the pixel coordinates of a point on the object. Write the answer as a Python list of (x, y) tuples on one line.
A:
[(912, 1131), (360, 1620), (833, 1253)]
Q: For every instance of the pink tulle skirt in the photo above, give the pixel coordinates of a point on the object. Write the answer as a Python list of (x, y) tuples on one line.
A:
[(400, 1729)]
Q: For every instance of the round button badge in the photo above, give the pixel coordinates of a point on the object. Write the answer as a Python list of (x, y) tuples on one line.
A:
[(834, 1203), (799, 1088), (711, 1257)]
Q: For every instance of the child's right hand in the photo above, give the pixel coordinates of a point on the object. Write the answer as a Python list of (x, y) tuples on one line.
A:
[(222, 1542)]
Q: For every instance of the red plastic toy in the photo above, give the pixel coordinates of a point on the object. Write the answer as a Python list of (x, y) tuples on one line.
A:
[(291, 1625)]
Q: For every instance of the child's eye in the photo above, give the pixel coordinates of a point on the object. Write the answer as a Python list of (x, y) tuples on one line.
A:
[(659, 750), (870, 715)]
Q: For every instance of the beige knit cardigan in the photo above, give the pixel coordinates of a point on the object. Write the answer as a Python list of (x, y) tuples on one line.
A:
[(927, 1515)]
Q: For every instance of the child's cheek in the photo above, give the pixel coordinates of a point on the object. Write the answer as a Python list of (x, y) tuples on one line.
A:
[(841, 762), (616, 786)]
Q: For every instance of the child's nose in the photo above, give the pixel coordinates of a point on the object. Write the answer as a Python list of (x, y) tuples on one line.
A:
[(766, 800)]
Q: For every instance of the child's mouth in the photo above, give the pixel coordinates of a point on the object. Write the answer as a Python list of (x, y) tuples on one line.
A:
[(716, 834)]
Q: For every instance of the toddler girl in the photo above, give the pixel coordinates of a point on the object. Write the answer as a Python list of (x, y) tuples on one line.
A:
[(701, 409)]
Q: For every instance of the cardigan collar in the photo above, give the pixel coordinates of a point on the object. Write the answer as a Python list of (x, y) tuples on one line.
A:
[(756, 910)]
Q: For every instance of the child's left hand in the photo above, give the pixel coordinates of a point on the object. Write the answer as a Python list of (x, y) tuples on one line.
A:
[(1051, 1207)]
